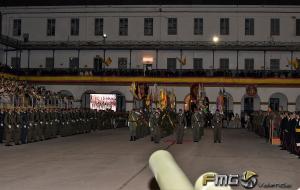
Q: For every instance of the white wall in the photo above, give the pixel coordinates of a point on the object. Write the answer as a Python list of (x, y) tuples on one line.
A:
[(86, 57), (34, 21)]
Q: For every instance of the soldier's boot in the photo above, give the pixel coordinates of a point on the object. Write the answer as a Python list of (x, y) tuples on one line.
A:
[(131, 138)]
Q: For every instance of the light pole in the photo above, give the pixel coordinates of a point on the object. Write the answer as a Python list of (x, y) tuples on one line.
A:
[(104, 36), (215, 41)]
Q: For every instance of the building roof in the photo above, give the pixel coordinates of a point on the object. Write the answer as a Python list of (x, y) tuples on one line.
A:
[(5, 3)]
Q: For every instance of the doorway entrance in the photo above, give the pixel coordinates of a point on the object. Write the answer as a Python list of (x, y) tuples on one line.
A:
[(248, 105), (274, 104)]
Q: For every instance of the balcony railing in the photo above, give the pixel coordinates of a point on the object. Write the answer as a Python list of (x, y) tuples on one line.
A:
[(154, 72), (150, 45)]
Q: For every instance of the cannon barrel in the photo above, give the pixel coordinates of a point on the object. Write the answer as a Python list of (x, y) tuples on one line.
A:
[(167, 173)]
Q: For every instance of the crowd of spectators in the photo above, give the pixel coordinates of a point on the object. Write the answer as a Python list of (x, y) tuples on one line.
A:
[(14, 93)]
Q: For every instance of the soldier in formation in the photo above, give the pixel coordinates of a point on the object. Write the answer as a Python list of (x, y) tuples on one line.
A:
[(217, 124), (181, 124), (2, 115), (198, 123), (156, 127), (22, 126), (138, 123)]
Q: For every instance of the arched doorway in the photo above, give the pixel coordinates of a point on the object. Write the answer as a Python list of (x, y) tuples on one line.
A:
[(121, 101), (187, 103), (298, 104), (85, 98), (278, 102), (250, 104)]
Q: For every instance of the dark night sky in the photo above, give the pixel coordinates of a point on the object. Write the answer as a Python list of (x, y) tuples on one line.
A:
[(146, 2)]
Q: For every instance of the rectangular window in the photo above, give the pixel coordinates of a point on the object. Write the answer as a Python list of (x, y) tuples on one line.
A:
[(74, 26), (172, 26), (15, 62), (224, 26), (49, 63), (274, 64), (171, 64), (51, 27), (148, 26), (297, 27), (123, 27), (249, 26), (122, 62), (224, 64), (275, 27), (17, 27), (198, 26), (98, 26), (198, 63), (73, 63), (249, 64)]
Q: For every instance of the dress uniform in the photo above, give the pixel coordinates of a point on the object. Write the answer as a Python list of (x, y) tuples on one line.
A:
[(37, 128), (31, 127), (297, 136), (2, 115), (8, 128), (132, 124), (139, 125), (283, 129), (17, 127), (181, 124), (198, 122), (151, 124), (292, 133), (43, 124), (217, 124), (24, 126), (156, 128)]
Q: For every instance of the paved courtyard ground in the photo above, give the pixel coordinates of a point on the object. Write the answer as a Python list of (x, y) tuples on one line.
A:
[(106, 160)]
